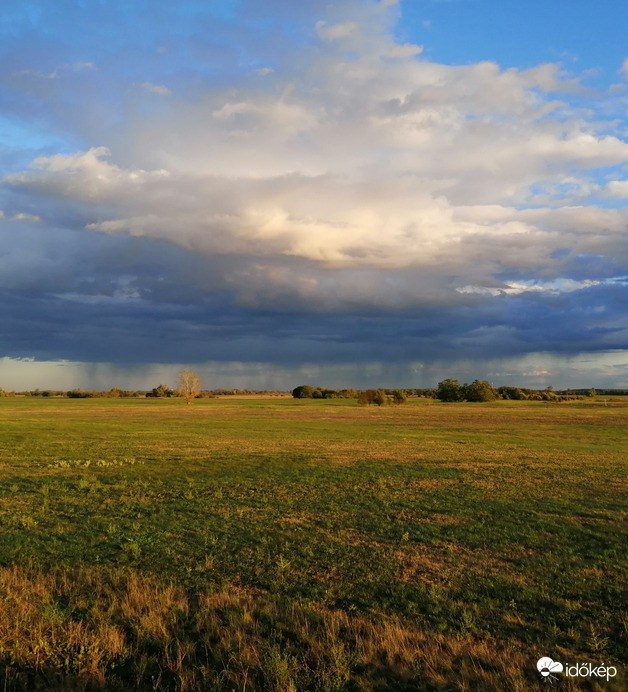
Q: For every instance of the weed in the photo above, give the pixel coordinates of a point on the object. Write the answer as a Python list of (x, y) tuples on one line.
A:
[(27, 521)]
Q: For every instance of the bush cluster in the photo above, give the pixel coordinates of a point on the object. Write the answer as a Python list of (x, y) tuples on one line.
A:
[(305, 391), (113, 393), (481, 390), (478, 390), (379, 397)]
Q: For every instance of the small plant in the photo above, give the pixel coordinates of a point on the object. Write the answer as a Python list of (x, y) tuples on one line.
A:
[(26, 521), (99, 462), (282, 564), (596, 641), (132, 548), (279, 669)]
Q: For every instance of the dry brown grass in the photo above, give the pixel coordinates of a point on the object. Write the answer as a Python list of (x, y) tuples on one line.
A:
[(81, 631)]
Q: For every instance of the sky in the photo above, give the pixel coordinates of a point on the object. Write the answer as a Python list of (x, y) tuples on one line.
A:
[(353, 193)]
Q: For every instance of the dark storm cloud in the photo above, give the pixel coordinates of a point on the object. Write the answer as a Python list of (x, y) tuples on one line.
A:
[(121, 300)]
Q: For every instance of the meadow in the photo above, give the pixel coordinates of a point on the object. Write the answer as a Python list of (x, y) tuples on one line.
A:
[(288, 545)]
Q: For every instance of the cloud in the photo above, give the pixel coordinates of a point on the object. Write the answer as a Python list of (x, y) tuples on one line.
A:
[(335, 31), (555, 287), (81, 65), (407, 50), (38, 75), (19, 216), (617, 188), (57, 72), (84, 176), (155, 89), (364, 200)]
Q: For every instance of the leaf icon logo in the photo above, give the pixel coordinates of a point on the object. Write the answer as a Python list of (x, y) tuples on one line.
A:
[(546, 667)]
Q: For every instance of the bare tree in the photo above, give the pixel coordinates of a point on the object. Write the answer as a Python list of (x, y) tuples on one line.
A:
[(189, 385)]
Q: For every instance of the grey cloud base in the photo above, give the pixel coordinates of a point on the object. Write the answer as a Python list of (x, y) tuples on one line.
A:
[(131, 300)]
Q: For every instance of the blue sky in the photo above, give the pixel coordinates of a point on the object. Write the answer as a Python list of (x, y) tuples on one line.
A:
[(351, 193), (580, 35)]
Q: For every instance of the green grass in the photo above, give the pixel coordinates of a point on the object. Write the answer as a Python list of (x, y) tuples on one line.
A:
[(310, 544)]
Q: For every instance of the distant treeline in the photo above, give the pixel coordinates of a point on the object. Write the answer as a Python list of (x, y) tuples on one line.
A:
[(161, 391), (452, 390), (447, 390)]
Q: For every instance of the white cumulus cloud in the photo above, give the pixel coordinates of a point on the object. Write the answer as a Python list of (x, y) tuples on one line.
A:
[(361, 157)]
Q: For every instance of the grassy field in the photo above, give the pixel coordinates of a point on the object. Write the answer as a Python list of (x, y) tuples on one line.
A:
[(279, 544)]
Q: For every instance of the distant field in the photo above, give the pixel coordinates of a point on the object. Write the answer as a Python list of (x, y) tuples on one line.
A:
[(278, 544)]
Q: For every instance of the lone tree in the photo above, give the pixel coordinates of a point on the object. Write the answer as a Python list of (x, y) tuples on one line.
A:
[(189, 385)]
